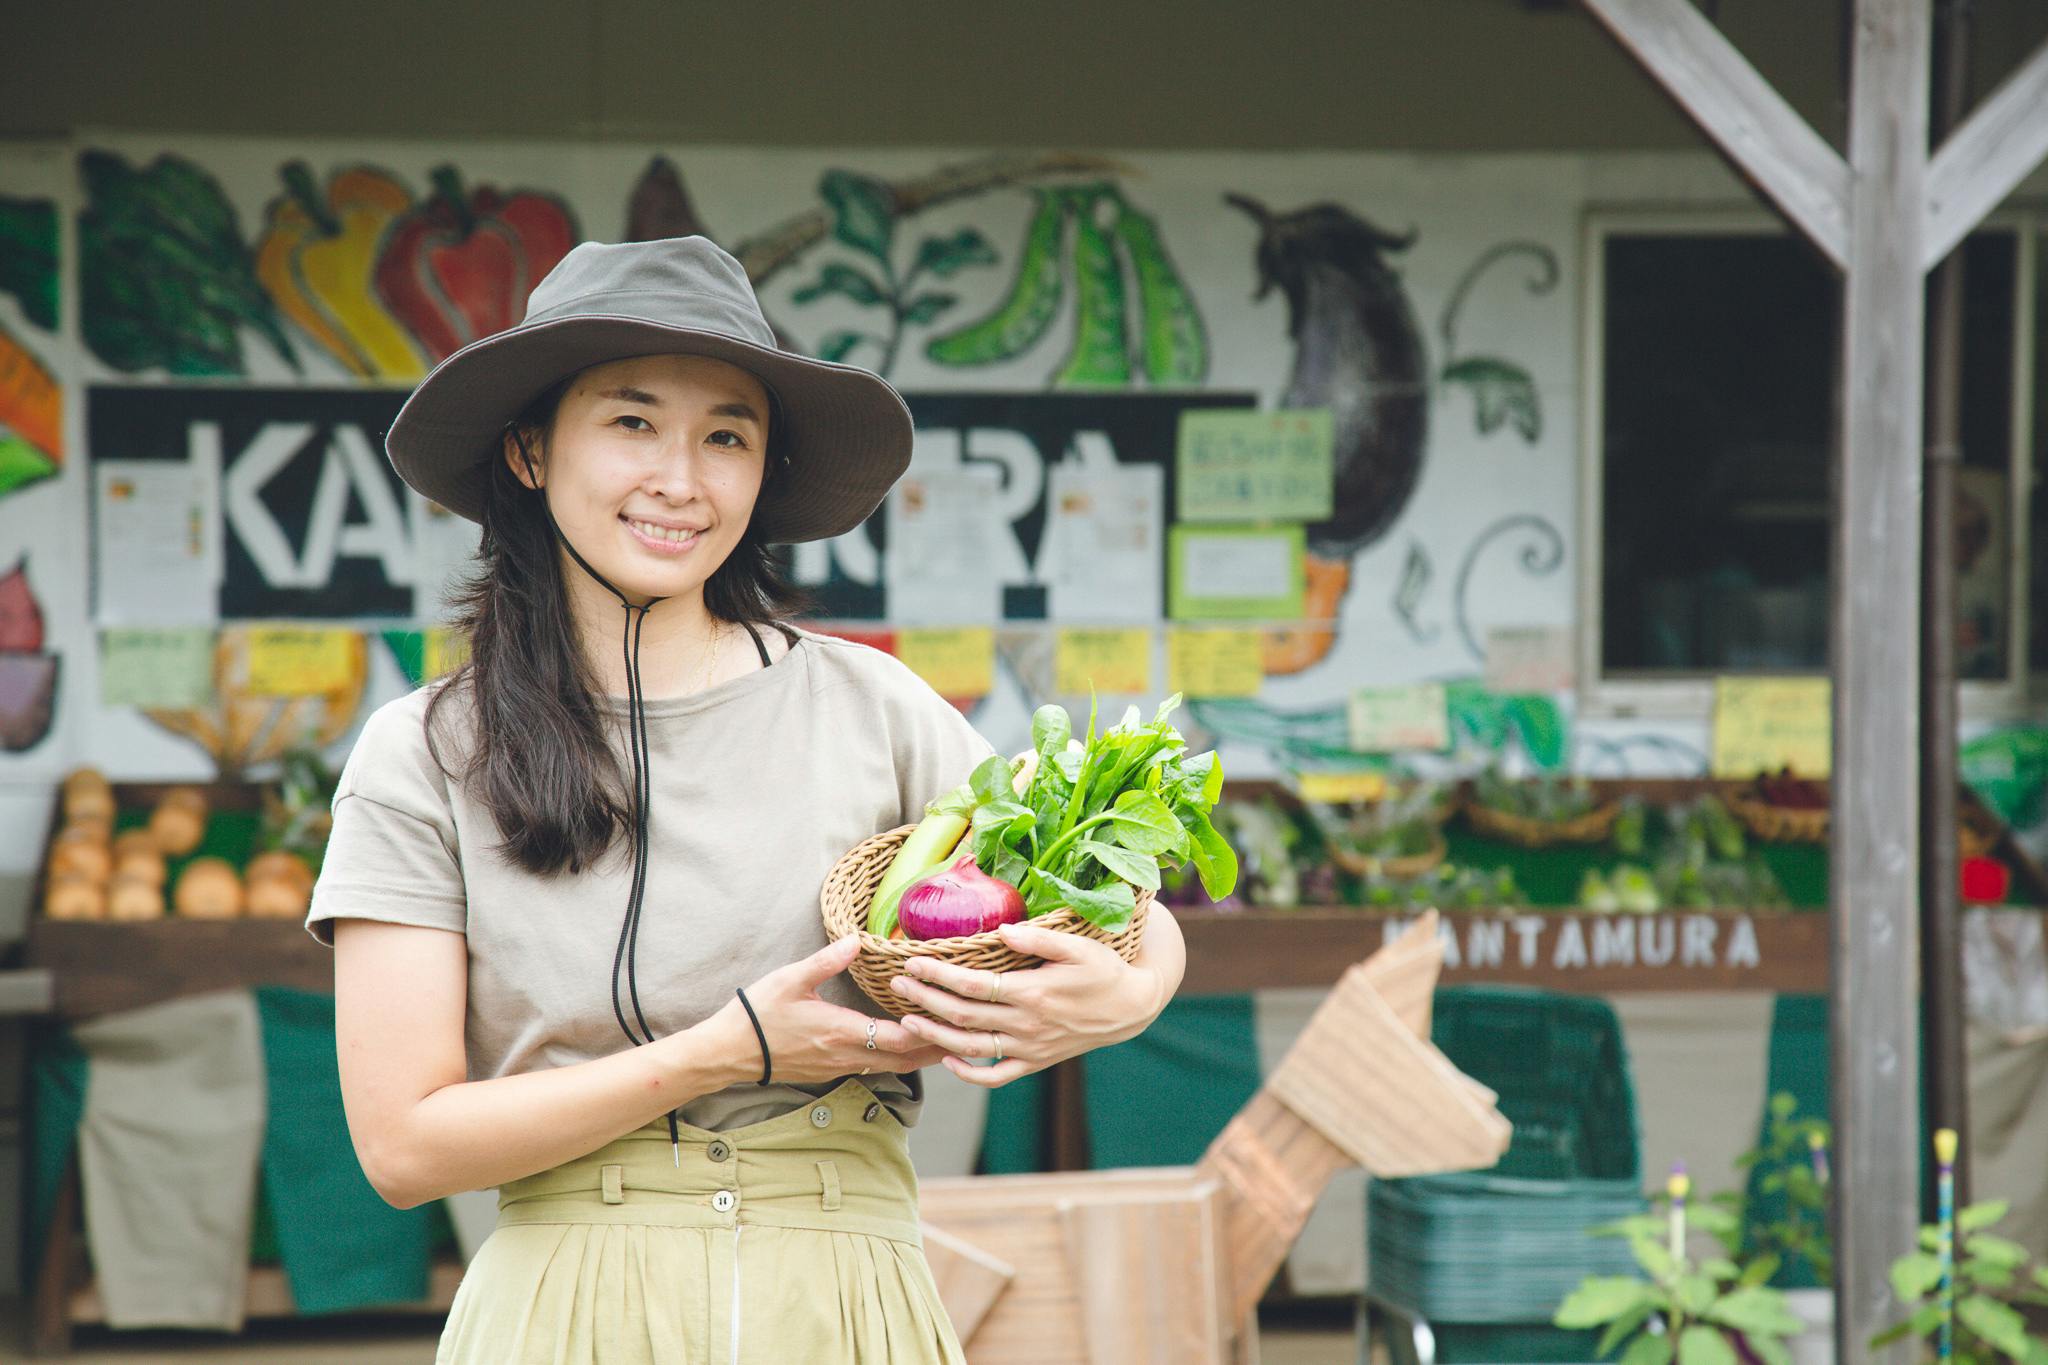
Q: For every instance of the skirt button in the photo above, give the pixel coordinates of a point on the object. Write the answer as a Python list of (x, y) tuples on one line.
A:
[(724, 1200), (821, 1117), (718, 1151)]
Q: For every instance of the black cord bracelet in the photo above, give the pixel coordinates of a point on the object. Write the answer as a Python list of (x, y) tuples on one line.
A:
[(767, 1063)]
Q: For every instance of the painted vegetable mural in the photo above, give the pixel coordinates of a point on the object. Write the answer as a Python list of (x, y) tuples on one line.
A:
[(28, 676), (317, 256), (166, 280), (459, 265)]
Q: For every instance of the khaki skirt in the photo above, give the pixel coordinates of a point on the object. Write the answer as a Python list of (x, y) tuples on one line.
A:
[(794, 1239)]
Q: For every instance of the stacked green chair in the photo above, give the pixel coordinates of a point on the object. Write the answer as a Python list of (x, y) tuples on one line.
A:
[(1470, 1268)]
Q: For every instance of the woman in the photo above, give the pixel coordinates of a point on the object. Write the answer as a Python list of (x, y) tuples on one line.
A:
[(640, 779)]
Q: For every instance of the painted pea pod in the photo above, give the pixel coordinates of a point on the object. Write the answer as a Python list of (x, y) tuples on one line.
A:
[(1101, 354), (1034, 297), (1174, 347)]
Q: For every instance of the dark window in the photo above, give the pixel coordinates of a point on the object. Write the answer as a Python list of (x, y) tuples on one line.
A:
[(1718, 393)]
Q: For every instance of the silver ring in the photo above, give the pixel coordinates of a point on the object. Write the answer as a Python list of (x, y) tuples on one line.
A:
[(872, 1026), (995, 992), (995, 1040)]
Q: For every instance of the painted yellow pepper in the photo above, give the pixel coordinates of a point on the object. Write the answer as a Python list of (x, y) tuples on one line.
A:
[(316, 259)]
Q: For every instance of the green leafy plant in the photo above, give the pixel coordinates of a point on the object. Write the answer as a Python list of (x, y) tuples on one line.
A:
[(1546, 797), (1682, 1310), (864, 219), (1991, 1278), (1789, 1174), (1445, 887), (1098, 820)]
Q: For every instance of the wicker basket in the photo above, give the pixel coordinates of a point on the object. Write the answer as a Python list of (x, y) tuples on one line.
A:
[(1779, 824), (1591, 828), (850, 886), (1401, 869)]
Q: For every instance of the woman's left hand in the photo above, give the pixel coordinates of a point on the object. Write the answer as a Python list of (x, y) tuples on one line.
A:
[(1083, 997)]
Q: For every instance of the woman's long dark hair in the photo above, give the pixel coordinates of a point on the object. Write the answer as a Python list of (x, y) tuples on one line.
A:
[(537, 754)]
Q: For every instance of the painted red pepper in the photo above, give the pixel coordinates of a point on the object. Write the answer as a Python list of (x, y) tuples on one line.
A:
[(459, 265)]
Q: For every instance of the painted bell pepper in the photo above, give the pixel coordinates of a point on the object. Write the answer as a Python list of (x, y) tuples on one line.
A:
[(459, 265), (317, 259)]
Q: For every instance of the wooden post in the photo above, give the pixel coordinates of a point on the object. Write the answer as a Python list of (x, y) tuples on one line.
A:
[(1946, 1065), (1874, 846)]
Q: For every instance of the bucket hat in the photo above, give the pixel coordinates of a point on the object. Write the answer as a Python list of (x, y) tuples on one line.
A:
[(843, 430)]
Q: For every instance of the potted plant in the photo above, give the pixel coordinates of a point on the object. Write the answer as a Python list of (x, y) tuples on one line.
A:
[(1964, 1300), (1538, 811), (1713, 1311), (1786, 1229)]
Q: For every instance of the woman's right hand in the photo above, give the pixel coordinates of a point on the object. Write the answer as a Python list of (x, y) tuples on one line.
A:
[(810, 1039)]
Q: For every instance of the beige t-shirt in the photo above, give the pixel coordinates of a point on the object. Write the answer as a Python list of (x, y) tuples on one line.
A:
[(759, 785)]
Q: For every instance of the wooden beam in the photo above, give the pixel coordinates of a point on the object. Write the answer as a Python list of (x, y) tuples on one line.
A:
[(1765, 137), (1874, 858), (1998, 146)]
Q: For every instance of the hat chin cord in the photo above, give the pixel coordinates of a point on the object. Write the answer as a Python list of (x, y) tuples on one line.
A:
[(627, 953)]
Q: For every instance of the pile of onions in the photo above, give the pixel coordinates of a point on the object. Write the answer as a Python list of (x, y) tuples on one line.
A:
[(957, 900)]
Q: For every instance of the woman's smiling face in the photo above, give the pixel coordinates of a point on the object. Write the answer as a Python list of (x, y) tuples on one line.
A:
[(652, 467)]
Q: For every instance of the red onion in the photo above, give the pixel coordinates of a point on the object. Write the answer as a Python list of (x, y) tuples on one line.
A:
[(957, 900)]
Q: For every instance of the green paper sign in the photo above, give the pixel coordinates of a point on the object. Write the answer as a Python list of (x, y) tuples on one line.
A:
[(1236, 573), (1254, 466), (164, 669)]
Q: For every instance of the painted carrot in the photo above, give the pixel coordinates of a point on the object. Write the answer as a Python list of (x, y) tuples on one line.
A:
[(30, 401)]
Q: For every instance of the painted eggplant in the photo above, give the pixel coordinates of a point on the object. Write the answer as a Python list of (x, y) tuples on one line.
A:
[(1358, 352)]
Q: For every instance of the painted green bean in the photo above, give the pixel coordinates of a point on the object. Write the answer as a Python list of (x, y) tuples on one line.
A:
[(1175, 347), (1034, 296), (1101, 353)]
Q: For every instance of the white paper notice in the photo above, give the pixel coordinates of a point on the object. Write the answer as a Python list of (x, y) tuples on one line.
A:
[(1100, 558), (939, 569), (156, 543), (1237, 566)]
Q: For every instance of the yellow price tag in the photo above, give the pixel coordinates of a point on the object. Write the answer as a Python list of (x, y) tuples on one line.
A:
[(957, 662), (1338, 787), (300, 661), (1114, 661), (1764, 724), (1215, 663)]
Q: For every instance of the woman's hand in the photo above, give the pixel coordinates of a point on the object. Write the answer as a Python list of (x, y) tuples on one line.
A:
[(1083, 997), (810, 1039)]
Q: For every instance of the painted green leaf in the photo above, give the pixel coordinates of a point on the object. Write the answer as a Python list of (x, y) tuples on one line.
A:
[(21, 463), (841, 279), (927, 307), (946, 256), (1502, 392), (28, 257), (839, 344), (863, 212)]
